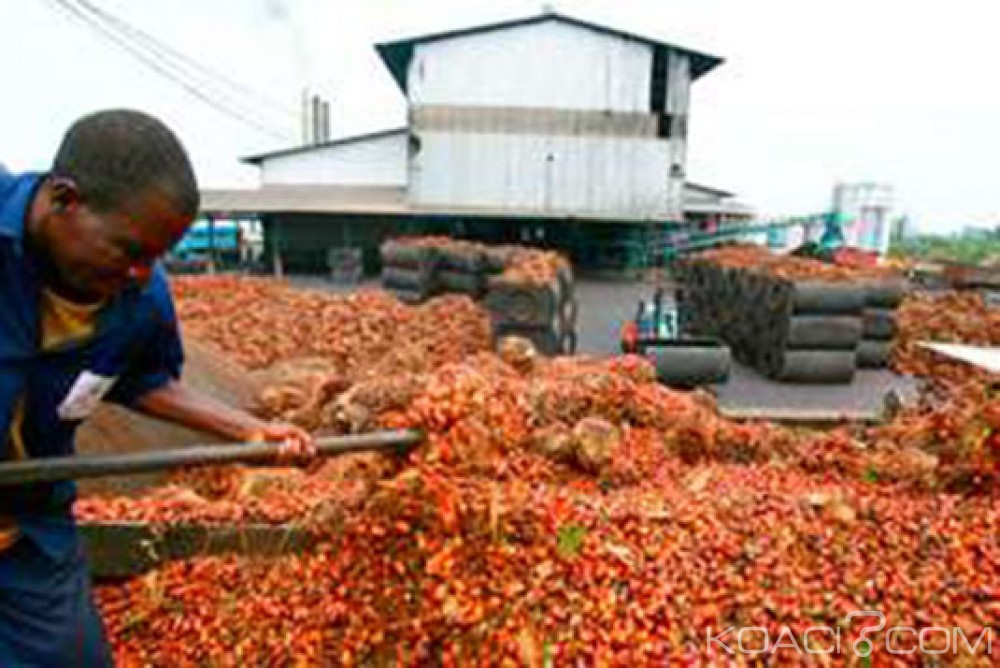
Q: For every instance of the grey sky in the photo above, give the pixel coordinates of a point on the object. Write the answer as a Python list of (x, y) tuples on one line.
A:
[(810, 93)]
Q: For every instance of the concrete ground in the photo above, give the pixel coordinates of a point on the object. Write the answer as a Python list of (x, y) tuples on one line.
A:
[(605, 304)]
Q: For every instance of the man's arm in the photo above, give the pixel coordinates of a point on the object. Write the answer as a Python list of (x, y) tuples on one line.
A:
[(180, 404)]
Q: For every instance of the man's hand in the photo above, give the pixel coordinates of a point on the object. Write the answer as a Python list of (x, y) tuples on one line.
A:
[(296, 444), (177, 403)]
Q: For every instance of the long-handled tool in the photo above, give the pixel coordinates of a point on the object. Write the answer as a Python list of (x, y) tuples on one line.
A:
[(53, 469)]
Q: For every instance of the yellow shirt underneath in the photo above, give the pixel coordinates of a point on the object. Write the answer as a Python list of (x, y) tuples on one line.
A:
[(63, 323)]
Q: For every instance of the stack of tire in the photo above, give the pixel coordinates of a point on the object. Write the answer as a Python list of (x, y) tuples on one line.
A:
[(409, 270), (543, 313), (794, 331), (882, 298), (463, 268)]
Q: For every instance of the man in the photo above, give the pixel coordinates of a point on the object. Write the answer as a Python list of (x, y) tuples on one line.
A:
[(86, 316)]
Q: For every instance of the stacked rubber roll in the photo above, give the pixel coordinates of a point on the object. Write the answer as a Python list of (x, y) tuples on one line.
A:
[(542, 312), (882, 298), (528, 292), (463, 268), (409, 270), (803, 331)]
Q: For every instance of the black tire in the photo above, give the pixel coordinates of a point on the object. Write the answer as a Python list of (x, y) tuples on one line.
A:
[(817, 297), (813, 366), (402, 254), (469, 261), (461, 282), (565, 277), (823, 332), (413, 280), (546, 340), (523, 305), (410, 297), (690, 362), (568, 314), (878, 324), (886, 293), (494, 261), (568, 346), (873, 354)]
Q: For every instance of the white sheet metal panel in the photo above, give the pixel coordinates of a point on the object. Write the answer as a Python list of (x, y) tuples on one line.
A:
[(379, 161), (536, 120), (551, 65), (678, 83), (619, 177), (981, 356)]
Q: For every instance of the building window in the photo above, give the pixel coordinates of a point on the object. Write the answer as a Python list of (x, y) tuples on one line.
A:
[(658, 87), (664, 126)]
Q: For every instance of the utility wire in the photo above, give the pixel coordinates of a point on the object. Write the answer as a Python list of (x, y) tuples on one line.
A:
[(165, 50), (164, 70)]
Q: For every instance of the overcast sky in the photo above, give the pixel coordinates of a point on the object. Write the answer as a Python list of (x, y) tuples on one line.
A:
[(811, 92)]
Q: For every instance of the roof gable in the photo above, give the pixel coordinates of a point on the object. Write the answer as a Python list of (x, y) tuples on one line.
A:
[(397, 54)]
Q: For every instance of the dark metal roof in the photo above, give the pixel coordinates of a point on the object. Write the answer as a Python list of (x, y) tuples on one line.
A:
[(306, 148), (709, 190), (392, 201), (397, 54)]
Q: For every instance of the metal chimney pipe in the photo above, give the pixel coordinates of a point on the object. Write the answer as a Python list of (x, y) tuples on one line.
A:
[(326, 121), (307, 123), (316, 119)]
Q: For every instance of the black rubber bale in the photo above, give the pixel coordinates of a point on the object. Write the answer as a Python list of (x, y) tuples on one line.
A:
[(566, 283), (568, 314), (399, 278), (887, 293), (547, 340), (410, 297), (401, 254), (523, 304), (814, 366), (472, 262), (823, 332), (872, 354), (568, 345), (816, 297), (690, 362), (461, 282), (878, 323)]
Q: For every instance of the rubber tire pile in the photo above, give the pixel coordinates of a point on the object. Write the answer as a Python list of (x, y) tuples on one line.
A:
[(806, 331), (878, 322), (542, 311), (409, 270)]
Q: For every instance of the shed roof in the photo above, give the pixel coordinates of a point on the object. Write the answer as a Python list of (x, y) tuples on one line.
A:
[(397, 54), (392, 201), (307, 148)]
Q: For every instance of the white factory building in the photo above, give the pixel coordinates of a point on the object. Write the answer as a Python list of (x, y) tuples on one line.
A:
[(547, 129)]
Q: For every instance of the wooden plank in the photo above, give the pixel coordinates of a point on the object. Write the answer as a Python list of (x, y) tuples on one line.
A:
[(128, 549), (799, 416)]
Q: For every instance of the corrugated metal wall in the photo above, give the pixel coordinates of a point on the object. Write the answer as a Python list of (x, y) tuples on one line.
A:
[(550, 65), (547, 117), (617, 176), (378, 161)]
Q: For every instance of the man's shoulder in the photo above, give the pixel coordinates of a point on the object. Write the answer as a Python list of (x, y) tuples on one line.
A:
[(155, 295), (16, 191)]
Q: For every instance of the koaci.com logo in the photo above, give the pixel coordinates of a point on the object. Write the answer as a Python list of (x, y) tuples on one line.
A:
[(899, 640)]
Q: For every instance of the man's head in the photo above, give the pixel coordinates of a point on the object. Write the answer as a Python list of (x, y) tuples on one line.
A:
[(121, 192)]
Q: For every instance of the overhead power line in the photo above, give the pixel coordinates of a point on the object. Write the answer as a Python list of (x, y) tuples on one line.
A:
[(165, 50), (164, 69)]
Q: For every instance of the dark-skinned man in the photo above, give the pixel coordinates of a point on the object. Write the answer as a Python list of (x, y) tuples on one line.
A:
[(86, 316)]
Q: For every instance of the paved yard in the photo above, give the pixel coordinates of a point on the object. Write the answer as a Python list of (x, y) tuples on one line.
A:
[(606, 304)]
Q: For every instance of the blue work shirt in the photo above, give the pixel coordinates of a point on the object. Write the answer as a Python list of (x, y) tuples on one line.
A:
[(135, 348)]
